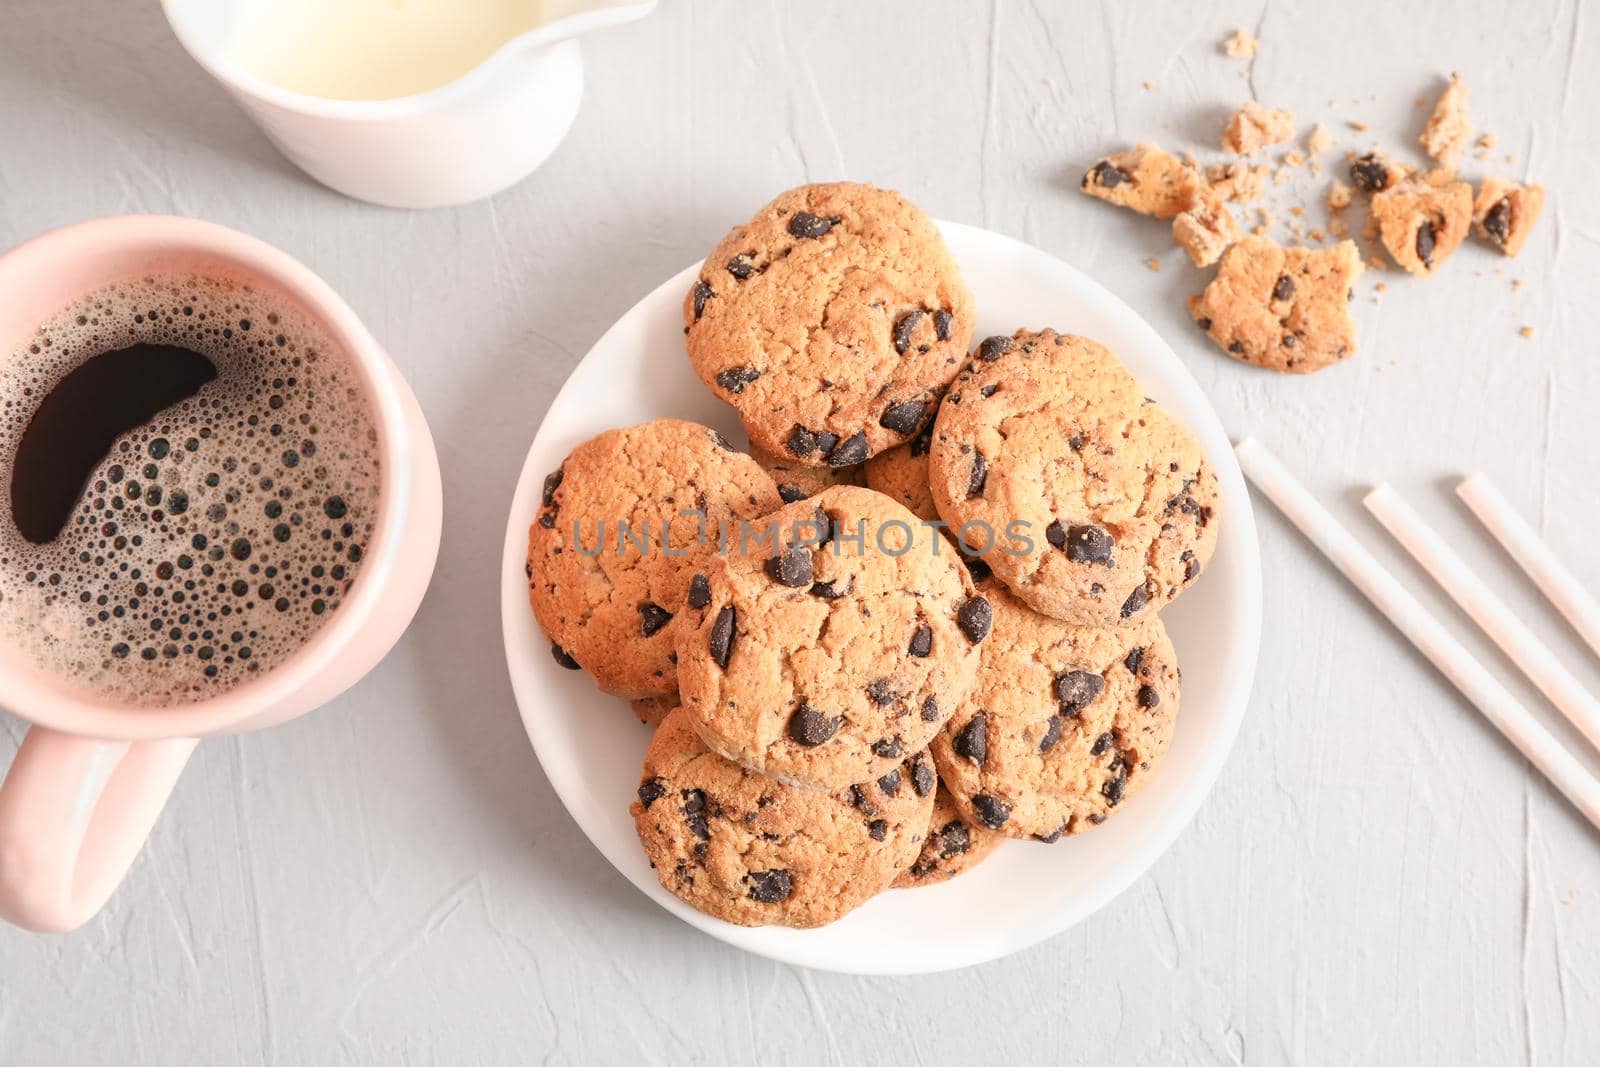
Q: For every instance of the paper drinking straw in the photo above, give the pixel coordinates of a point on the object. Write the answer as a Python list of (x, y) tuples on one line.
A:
[(1524, 545), (1421, 628), (1487, 610)]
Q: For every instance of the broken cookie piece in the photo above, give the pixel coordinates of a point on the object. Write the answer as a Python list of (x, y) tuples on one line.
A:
[(1242, 44), (1506, 211), (1421, 221), (1254, 127), (1375, 172), (1144, 179), (1207, 229), (1449, 128), (1285, 309)]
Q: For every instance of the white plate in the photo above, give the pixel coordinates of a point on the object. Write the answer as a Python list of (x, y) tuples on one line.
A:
[(591, 746)]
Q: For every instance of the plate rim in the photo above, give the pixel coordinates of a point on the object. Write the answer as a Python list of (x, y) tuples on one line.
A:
[(1215, 748)]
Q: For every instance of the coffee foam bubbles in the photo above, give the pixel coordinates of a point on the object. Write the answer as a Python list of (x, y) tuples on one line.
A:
[(213, 541)]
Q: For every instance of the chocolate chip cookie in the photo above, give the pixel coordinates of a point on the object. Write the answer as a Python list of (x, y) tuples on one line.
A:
[(1144, 179), (1285, 309), (955, 843), (796, 481), (751, 851), (830, 321), (624, 523), (833, 647), (1065, 722), (1422, 221), (1086, 498)]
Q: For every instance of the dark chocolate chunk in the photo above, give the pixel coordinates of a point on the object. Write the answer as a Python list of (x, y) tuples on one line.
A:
[(973, 740), (979, 475), (890, 783), (1148, 697), (921, 642), (1113, 789), (564, 658), (930, 709), (734, 379), (1089, 544), (652, 617), (974, 618), (941, 324), (904, 327), (694, 813), (1284, 288), (1056, 534), (881, 692), (991, 811), (1136, 602), (850, 451), (878, 829), (805, 224), (954, 839), (904, 417), (810, 727), (791, 567), (741, 266), (699, 591), (770, 887), (651, 791), (831, 590), (993, 348), (788, 492), (1497, 223), (702, 293), (978, 567), (1369, 173), (552, 482), (1052, 734), (721, 639), (1076, 690), (1106, 175), (1427, 241), (922, 777), (1133, 660), (1102, 744)]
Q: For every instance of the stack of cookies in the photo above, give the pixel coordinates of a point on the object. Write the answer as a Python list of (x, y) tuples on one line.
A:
[(920, 616)]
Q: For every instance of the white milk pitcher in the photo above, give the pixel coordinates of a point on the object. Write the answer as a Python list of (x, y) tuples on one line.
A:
[(407, 103)]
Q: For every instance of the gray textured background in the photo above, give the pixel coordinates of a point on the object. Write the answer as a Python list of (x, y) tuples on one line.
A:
[(1377, 876)]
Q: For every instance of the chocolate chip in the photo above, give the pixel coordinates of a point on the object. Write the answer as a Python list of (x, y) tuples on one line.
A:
[(954, 839), (652, 617), (1089, 544), (888, 748), (904, 417), (552, 482), (547, 519), (904, 327), (1136, 602), (878, 829), (1369, 173), (974, 618), (831, 590), (1427, 240), (859, 798), (1052, 734), (1096, 818), (930, 709), (564, 658), (979, 475), (850, 451), (1056, 534), (993, 348), (651, 791), (973, 740), (788, 492), (1148, 697), (1204, 324), (721, 640), (977, 567), (805, 224), (1133, 660), (881, 692), (890, 783), (801, 442), (699, 591), (810, 727), (741, 266), (1106, 175), (922, 777), (1076, 690), (1284, 288), (826, 441), (721, 441), (734, 379), (694, 813), (991, 811), (921, 642), (921, 443), (791, 567), (1113, 790), (1102, 744), (1053, 836), (941, 324), (702, 293), (1497, 223), (770, 887)]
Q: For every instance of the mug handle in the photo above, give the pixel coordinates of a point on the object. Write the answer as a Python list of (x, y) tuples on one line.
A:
[(74, 812)]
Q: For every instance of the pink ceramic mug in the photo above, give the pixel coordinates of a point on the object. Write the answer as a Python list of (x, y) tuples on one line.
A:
[(91, 776)]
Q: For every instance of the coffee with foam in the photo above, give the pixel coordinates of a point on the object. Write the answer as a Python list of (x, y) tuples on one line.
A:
[(215, 538)]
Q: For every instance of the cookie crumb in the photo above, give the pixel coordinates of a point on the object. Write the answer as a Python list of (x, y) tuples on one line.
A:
[(1154, 264), (1150, 87), (1241, 45), (1449, 127), (1254, 127), (1359, 127), (1319, 140), (1516, 285), (1526, 331)]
